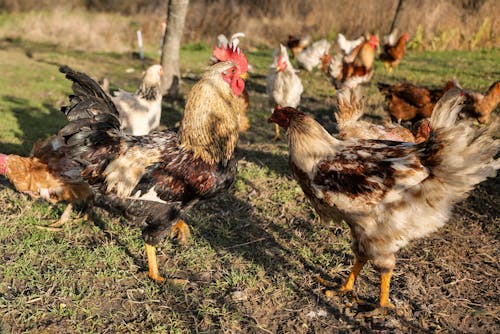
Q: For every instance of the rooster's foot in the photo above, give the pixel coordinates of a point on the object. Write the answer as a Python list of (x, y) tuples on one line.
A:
[(180, 231)]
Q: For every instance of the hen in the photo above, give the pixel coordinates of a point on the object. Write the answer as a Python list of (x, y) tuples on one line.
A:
[(389, 193), (393, 50), (311, 57), (350, 109), (363, 54), (140, 112), (36, 176), (298, 43), (480, 105), (406, 102), (343, 74), (283, 84), (347, 46), (226, 51)]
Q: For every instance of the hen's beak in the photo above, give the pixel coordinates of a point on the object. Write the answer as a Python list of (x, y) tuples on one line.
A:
[(244, 76)]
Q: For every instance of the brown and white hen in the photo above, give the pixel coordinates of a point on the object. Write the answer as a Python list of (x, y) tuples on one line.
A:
[(389, 193)]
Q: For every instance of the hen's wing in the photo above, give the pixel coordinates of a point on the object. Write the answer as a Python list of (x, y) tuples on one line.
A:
[(368, 172)]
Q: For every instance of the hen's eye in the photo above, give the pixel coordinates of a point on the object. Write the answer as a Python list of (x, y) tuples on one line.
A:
[(233, 70)]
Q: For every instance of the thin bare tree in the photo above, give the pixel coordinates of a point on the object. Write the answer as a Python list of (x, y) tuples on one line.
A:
[(176, 15), (396, 15)]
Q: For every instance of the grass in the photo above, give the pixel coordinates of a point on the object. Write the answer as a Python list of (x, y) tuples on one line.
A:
[(255, 251)]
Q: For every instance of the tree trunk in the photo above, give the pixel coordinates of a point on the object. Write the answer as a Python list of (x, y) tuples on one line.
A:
[(176, 15), (396, 15)]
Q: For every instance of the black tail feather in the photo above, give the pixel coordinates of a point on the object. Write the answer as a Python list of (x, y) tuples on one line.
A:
[(90, 105)]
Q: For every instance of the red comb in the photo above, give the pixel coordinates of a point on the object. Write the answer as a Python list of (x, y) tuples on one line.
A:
[(229, 54)]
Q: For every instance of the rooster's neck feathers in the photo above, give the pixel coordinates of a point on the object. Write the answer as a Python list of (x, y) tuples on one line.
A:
[(210, 124)]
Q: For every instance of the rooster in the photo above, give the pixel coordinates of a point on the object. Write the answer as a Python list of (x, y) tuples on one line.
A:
[(223, 52), (311, 57), (393, 50), (283, 84), (156, 177), (298, 43), (350, 109), (140, 112), (389, 193)]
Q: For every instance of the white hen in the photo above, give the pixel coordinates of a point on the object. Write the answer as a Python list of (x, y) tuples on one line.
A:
[(284, 87), (140, 112), (311, 57), (348, 45)]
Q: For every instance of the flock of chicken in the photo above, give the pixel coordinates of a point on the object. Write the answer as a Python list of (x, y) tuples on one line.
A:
[(390, 185)]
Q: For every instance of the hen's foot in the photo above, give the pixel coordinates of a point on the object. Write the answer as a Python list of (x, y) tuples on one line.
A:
[(339, 292), (377, 311), (56, 226), (180, 231)]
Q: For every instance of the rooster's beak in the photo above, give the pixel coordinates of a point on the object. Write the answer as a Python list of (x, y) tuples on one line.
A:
[(244, 76)]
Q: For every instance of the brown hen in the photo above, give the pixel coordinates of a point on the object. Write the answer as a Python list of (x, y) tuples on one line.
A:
[(407, 102), (393, 50), (36, 176)]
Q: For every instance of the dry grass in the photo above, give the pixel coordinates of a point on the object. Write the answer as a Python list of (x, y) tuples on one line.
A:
[(441, 25)]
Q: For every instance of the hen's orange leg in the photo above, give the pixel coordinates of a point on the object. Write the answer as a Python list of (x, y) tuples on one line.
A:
[(153, 264), (356, 269), (64, 217), (56, 226), (180, 230), (385, 282), (349, 284)]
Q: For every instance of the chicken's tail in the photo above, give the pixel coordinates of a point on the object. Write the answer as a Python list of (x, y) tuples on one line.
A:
[(350, 105), (458, 154), (92, 136), (90, 108)]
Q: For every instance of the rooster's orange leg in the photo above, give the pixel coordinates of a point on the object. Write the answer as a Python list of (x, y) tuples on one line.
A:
[(180, 230), (153, 264), (153, 271)]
